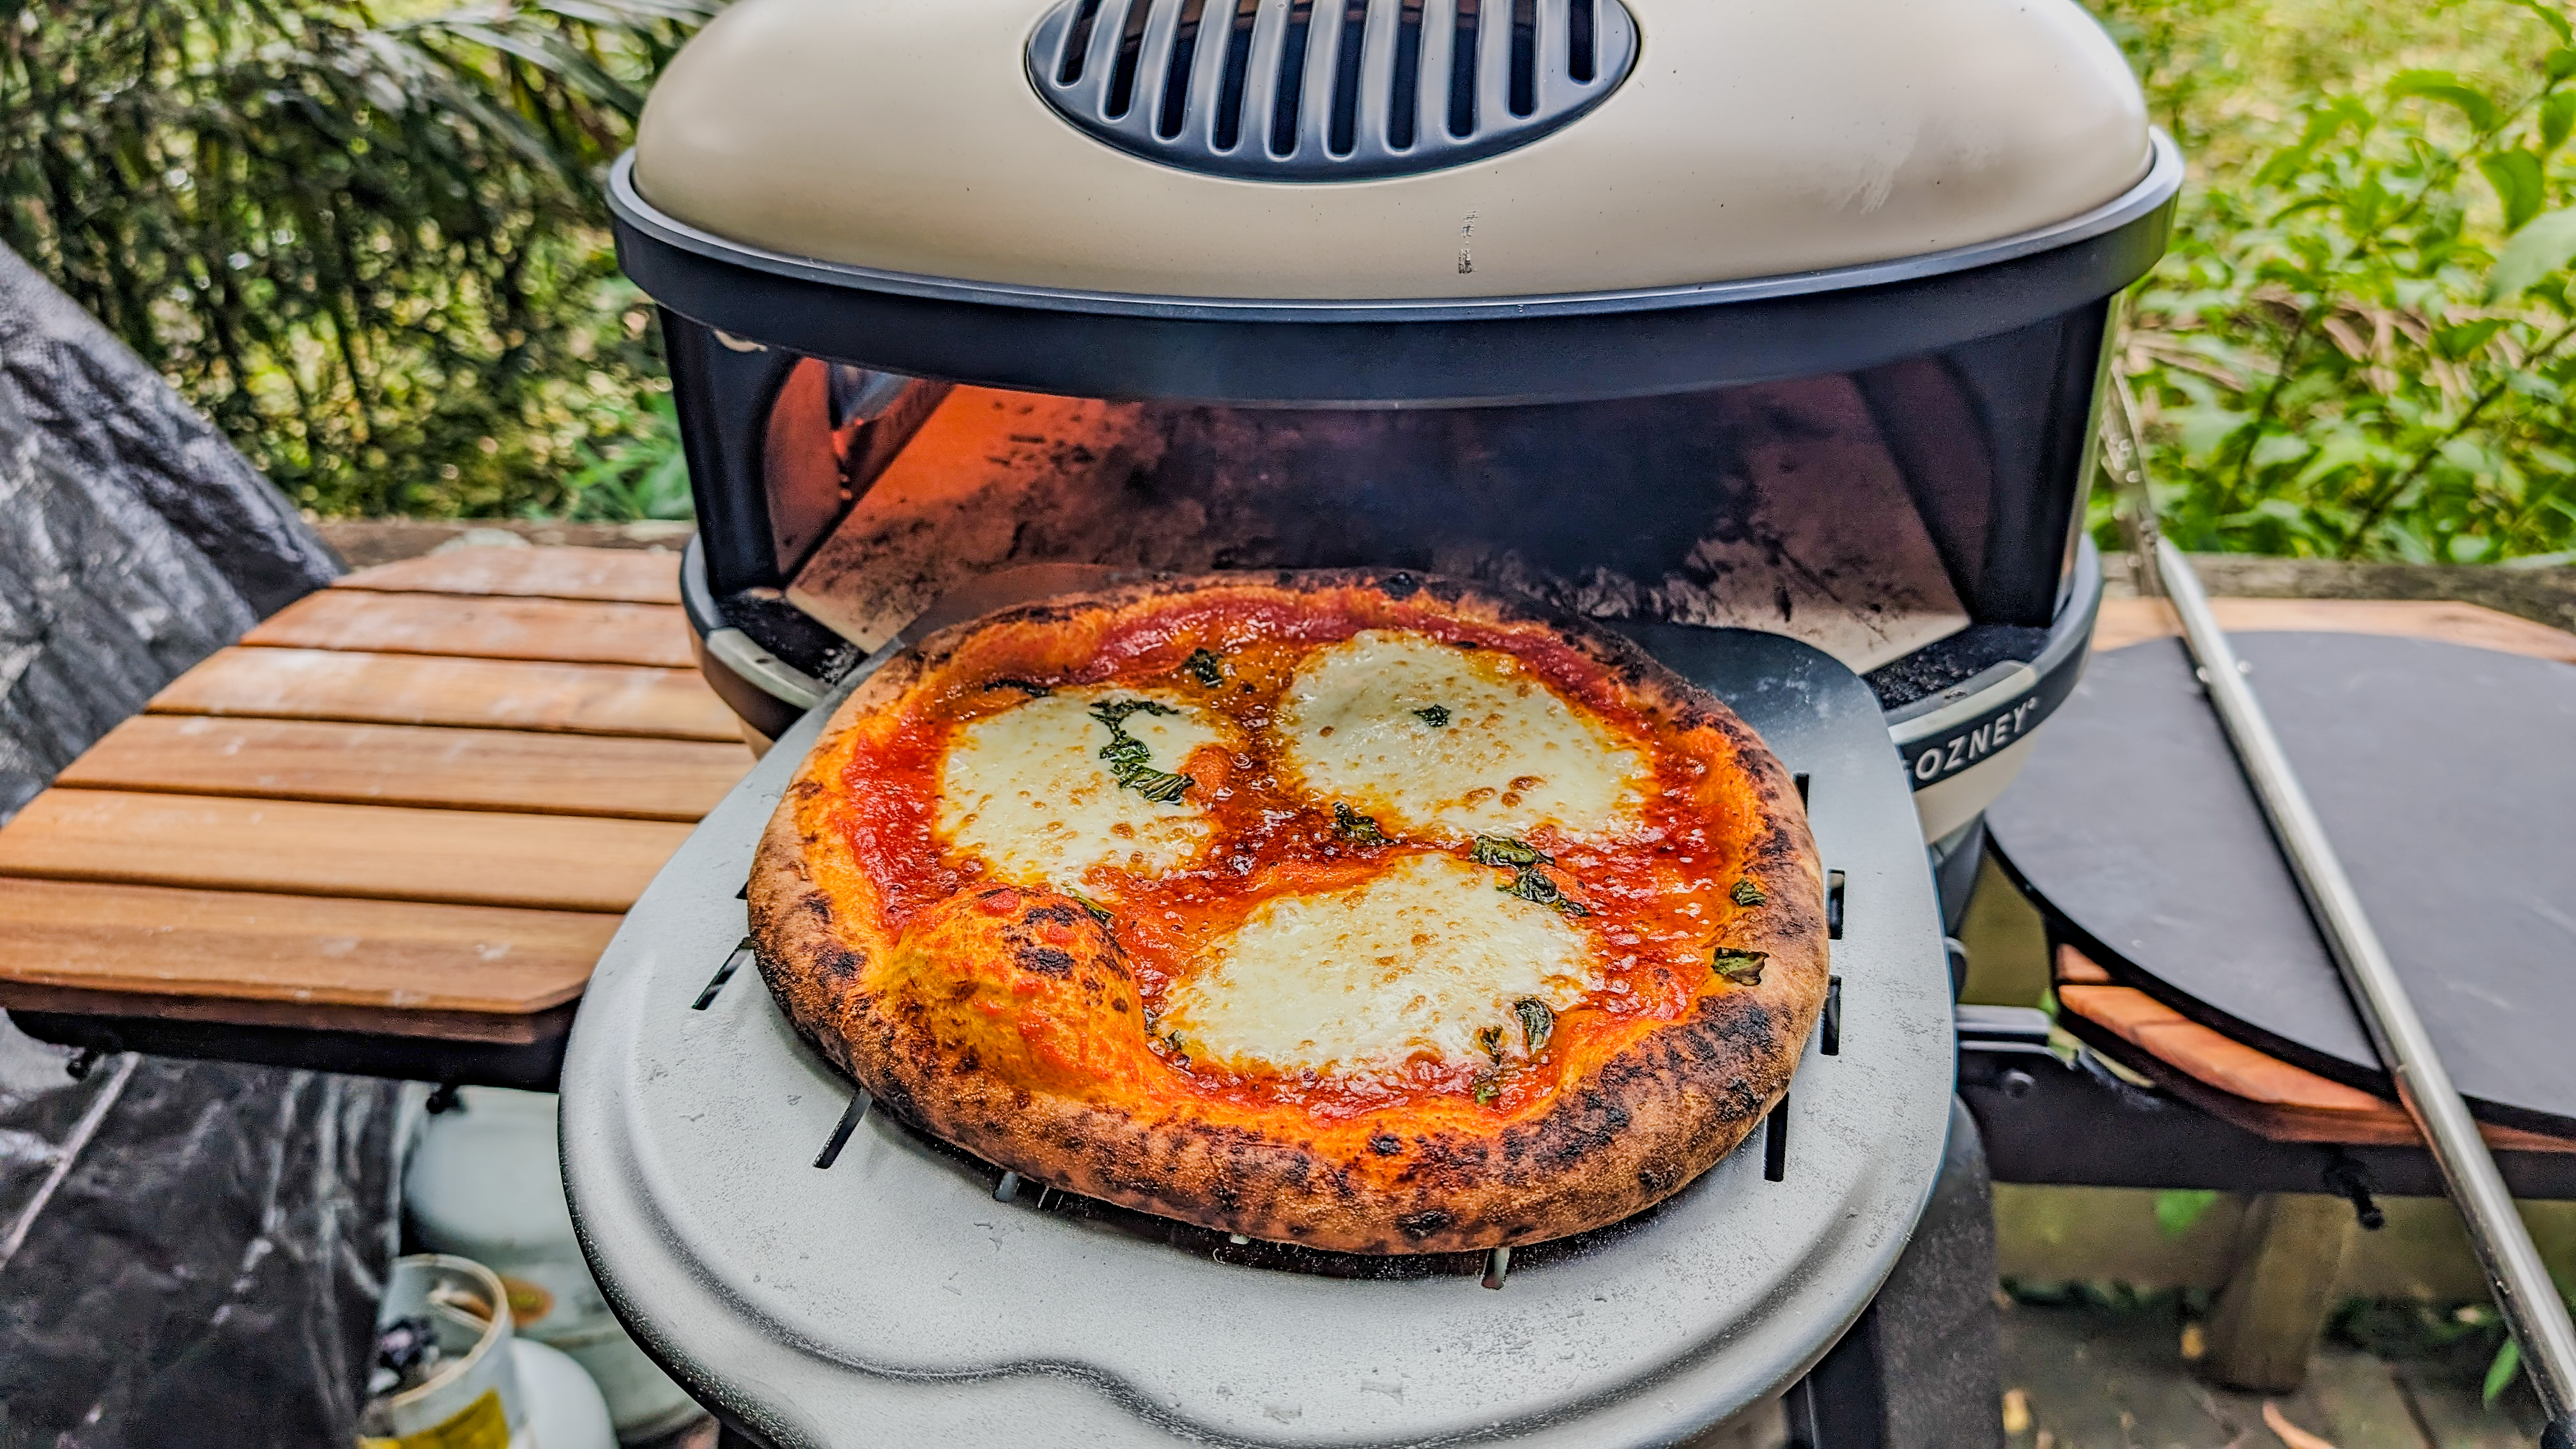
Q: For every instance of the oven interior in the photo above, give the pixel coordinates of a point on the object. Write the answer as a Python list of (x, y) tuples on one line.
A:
[(1918, 519)]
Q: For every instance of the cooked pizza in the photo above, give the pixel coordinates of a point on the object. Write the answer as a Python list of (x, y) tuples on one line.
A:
[(1364, 911)]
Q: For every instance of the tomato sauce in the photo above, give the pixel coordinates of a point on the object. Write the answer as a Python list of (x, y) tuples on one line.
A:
[(1657, 895)]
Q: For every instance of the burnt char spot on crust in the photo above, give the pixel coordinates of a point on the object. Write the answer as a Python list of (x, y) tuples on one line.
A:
[(1423, 1224), (1630, 1132), (1045, 960), (842, 963)]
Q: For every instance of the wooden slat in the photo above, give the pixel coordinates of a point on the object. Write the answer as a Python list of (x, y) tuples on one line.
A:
[(561, 630), (2221, 1075), (2220, 1061), (2241, 1084), (406, 689), (615, 575), (466, 857), (2127, 621), (237, 946), (2074, 965), (466, 769)]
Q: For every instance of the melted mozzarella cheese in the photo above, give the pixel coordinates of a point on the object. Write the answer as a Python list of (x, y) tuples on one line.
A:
[(1498, 753), (1419, 961), (1028, 792)]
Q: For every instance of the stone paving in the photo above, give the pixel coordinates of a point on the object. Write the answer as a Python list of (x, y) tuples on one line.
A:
[(2107, 1378), (2114, 1378)]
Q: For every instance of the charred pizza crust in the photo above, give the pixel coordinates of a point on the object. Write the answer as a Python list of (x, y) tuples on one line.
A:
[(1068, 1097)]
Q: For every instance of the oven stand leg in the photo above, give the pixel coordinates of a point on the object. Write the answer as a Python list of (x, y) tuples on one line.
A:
[(1955, 858), (1921, 1368)]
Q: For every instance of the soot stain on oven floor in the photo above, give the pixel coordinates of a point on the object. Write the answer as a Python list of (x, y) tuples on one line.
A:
[(1698, 509)]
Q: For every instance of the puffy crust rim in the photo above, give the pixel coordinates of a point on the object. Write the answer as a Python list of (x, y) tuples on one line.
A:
[(1649, 1120)]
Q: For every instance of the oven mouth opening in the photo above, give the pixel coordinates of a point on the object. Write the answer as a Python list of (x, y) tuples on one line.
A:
[(1779, 507)]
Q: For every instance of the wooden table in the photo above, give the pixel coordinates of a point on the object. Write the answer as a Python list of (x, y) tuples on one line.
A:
[(2288, 1257), (388, 832), (2224, 1076)]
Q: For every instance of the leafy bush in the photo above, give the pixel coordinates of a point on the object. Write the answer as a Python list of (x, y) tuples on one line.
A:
[(640, 475), (2360, 345), (370, 250)]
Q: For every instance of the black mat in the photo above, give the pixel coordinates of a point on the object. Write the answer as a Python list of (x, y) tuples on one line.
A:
[(2447, 778)]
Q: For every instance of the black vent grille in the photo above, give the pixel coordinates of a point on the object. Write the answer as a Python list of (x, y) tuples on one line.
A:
[(1327, 90)]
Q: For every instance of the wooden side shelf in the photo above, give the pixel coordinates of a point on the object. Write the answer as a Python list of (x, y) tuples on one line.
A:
[(2127, 621), (560, 630), (2233, 1081), (414, 804), (2222, 1076)]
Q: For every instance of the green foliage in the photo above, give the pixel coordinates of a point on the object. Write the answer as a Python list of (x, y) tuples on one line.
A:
[(640, 475), (2363, 342), (370, 249), (2111, 1295), (369, 245), (2501, 1369), (2178, 1210), (2467, 1342)]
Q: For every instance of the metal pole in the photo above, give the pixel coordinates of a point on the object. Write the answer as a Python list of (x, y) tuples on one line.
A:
[(2523, 1291)]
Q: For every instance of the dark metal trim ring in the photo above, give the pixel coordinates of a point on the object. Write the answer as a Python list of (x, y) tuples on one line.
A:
[(1982, 724), (1570, 347)]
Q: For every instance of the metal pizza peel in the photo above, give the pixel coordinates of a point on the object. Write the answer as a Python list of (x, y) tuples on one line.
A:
[(821, 1275)]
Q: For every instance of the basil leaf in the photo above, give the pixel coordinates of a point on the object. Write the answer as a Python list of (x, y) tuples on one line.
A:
[(1740, 966), (1529, 882), (1746, 893), (1537, 1023), (1206, 668), (1114, 712), (1129, 757), (1436, 716), (1360, 829), (1490, 1041), (1539, 888), (1098, 911), (1160, 786), (1486, 1092)]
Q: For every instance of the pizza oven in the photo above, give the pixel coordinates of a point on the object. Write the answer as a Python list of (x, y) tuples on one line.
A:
[(1782, 317), (1770, 335)]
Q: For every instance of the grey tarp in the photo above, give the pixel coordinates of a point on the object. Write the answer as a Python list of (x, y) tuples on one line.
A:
[(190, 1252), (133, 540)]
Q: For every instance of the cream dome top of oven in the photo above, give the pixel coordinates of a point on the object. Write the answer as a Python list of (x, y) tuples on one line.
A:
[(1266, 149)]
